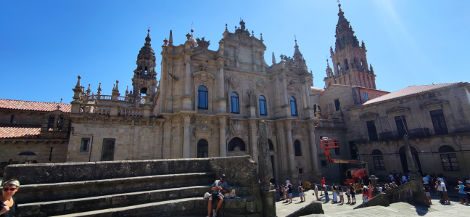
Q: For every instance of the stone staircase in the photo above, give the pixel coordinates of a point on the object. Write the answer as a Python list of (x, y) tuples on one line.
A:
[(133, 188)]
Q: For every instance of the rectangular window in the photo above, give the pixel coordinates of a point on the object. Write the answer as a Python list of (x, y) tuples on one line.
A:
[(372, 131), (337, 105), (85, 145), (402, 127), (439, 122), (107, 151)]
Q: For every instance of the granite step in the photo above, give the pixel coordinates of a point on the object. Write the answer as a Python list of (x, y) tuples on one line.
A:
[(61, 207), (67, 190), (193, 206)]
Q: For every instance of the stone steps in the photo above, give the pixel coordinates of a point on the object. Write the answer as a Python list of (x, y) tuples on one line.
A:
[(193, 206), (61, 207), (66, 190)]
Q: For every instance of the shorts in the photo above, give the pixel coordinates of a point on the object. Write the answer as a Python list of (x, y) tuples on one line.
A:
[(462, 196), (301, 194), (428, 194), (290, 194), (219, 195)]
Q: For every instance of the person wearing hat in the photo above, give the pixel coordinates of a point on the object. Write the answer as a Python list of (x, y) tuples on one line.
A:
[(218, 189), (7, 204)]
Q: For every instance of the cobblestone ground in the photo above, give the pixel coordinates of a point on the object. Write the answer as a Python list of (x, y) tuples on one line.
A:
[(394, 210)]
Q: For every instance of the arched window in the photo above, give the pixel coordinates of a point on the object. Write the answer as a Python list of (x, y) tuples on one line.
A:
[(293, 106), (234, 103), (202, 148), (263, 111), (297, 148), (378, 159), (236, 144), (449, 158), (202, 100), (271, 146)]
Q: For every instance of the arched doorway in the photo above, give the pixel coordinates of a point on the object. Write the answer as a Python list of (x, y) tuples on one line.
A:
[(236, 144), (404, 162), (202, 148)]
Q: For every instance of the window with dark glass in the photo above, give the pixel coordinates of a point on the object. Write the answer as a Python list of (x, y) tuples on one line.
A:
[(337, 105), (85, 145), (234, 103), (448, 158), (378, 159), (262, 106), (439, 122), (293, 106), (297, 148), (12, 119), (402, 127), (50, 122), (202, 101), (372, 131)]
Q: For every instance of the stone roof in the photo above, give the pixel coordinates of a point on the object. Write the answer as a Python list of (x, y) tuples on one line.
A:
[(17, 132), (416, 89), (33, 106)]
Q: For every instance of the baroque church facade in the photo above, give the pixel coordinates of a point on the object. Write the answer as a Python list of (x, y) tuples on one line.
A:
[(209, 103)]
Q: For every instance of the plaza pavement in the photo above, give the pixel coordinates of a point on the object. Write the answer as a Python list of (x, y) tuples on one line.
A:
[(394, 210)]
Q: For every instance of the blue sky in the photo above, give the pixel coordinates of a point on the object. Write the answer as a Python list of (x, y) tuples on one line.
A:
[(45, 44)]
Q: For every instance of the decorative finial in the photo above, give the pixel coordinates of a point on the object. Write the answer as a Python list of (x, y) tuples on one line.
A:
[(171, 38), (252, 33), (226, 28), (261, 36), (295, 40), (99, 89), (273, 59)]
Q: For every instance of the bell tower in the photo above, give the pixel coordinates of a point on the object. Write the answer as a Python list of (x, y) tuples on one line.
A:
[(144, 80), (349, 58)]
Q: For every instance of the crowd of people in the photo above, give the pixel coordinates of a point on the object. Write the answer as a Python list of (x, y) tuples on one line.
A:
[(346, 194)]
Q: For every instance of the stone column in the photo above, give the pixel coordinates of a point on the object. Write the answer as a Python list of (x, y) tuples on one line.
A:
[(253, 140), (220, 86), (290, 150), (285, 101), (186, 134), (314, 151), (187, 83), (222, 137)]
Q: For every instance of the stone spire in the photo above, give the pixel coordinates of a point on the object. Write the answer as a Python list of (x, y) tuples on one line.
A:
[(273, 58), (298, 57), (144, 79), (78, 90), (344, 32), (170, 41), (98, 92), (329, 71)]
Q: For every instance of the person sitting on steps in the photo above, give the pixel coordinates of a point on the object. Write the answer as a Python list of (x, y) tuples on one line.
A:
[(218, 189)]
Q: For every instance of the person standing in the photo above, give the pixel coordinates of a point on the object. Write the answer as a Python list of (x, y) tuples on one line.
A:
[(323, 184), (316, 192), (365, 194), (352, 192), (301, 193), (7, 204), (462, 193), (341, 195)]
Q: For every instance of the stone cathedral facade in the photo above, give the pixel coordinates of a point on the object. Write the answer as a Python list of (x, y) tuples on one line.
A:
[(209, 103)]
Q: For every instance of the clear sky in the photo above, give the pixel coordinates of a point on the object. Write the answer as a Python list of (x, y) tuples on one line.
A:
[(45, 44)]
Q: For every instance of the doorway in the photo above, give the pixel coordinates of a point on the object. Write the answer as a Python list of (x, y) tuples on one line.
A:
[(107, 152)]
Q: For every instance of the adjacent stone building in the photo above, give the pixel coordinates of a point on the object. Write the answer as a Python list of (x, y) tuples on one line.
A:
[(209, 103)]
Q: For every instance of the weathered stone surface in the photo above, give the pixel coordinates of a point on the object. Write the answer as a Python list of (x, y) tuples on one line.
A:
[(313, 207)]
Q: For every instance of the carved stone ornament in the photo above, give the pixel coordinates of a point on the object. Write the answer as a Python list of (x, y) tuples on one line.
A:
[(203, 76), (369, 115), (233, 82)]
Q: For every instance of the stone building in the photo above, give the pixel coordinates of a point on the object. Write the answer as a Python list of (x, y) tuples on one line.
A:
[(209, 103), (33, 131)]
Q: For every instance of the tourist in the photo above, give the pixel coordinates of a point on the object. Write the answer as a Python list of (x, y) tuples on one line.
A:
[(391, 178), (427, 192), (323, 184), (348, 195), (301, 193), (327, 198), (467, 190), (438, 188), (462, 193), (341, 195), (218, 189), (404, 179), (290, 190), (352, 192), (8, 205), (426, 179), (365, 194), (335, 194), (316, 191)]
